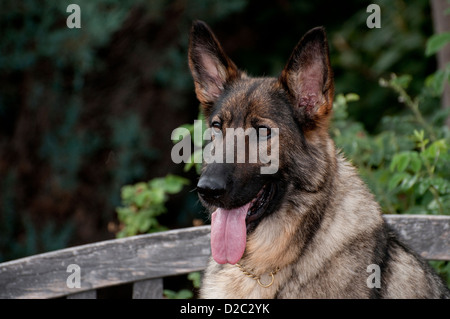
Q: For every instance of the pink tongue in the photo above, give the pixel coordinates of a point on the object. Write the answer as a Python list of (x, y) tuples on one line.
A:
[(228, 234)]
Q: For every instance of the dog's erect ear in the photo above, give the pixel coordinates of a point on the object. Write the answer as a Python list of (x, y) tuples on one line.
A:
[(308, 78), (210, 66)]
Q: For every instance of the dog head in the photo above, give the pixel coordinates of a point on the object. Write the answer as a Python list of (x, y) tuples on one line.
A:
[(286, 117)]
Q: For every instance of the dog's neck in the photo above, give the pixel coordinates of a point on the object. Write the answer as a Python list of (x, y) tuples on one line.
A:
[(267, 249)]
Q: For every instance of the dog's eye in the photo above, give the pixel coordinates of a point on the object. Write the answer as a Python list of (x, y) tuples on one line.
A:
[(216, 127), (264, 132)]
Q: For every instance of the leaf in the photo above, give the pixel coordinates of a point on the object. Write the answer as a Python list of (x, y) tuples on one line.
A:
[(435, 149), (433, 205), (188, 166), (174, 184), (196, 278), (123, 212), (145, 225), (424, 185), (351, 97), (340, 100), (416, 162), (170, 294), (418, 135), (182, 294), (156, 183), (401, 161), (396, 179), (127, 192), (435, 82), (408, 182), (437, 42), (402, 80), (394, 162), (140, 188), (122, 233), (440, 184), (142, 198), (158, 196)]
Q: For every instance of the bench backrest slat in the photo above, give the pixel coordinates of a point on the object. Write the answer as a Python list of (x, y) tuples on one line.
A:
[(427, 235), (144, 260), (107, 263)]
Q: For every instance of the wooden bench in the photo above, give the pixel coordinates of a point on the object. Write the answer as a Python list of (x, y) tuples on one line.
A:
[(145, 260)]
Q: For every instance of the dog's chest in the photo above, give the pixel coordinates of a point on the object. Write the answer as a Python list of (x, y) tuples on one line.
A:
[(233, 282)]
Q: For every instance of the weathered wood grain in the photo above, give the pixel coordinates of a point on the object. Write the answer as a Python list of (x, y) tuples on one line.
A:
[(107, 263), (148, 289), (427, 235), (89, 294), (142, 259)]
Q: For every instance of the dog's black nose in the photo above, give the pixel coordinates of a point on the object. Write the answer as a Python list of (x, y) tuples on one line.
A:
[(211, 188)]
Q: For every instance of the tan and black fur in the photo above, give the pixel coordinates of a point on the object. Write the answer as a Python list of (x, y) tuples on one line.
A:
[(321, 227)]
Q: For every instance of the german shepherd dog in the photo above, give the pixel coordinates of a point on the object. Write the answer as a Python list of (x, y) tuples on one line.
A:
[(312, 228)]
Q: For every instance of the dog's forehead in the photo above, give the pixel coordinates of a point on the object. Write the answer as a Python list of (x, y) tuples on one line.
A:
[(248, 96)]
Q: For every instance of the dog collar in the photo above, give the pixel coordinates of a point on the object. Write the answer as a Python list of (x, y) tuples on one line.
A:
[(258, 278)]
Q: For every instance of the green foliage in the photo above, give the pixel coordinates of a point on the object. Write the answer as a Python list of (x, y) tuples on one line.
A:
[(195, 278), (181, 294), (407, 164), (196, 132), (419, 174), (364, 55), (48, 110), (443, 268), (437, 42), (435, 82), (45, 68), (408, 173), (406, 170), (143, 202)]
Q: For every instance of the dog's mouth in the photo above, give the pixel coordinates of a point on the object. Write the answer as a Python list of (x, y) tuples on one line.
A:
[(229, 227), (258, 206)]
